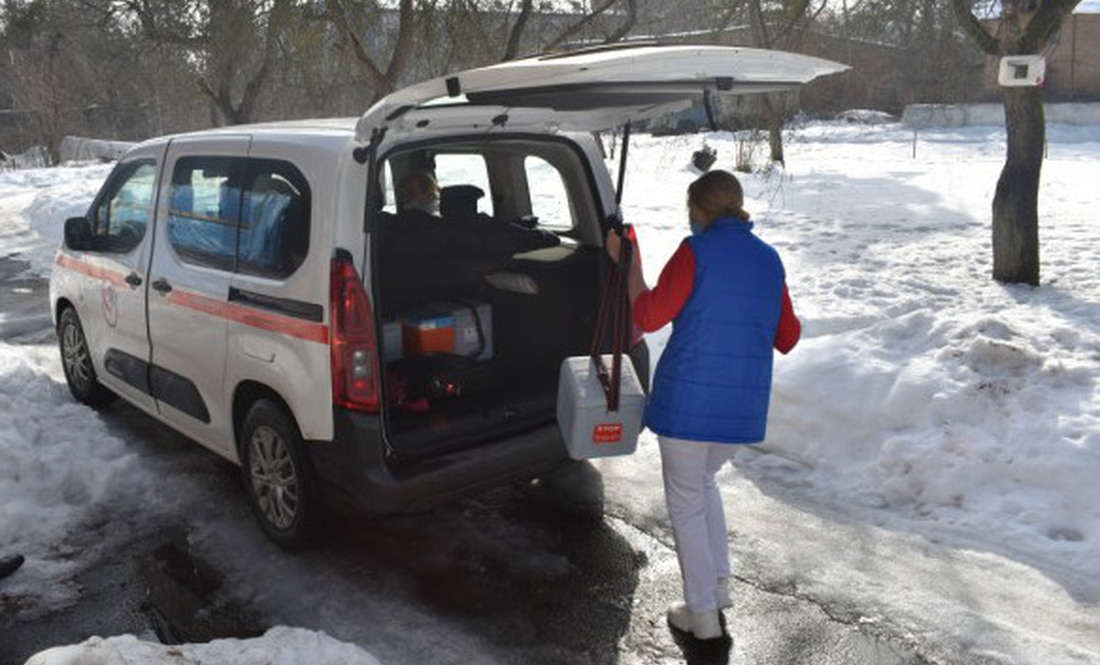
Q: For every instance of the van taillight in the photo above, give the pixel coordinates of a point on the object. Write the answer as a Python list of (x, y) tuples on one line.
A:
[(353, 341)]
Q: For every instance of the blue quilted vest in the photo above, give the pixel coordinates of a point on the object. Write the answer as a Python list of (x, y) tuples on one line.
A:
[(713, 381)]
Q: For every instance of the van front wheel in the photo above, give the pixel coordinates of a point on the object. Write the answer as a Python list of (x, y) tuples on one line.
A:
[(76, 360), (279, 480)]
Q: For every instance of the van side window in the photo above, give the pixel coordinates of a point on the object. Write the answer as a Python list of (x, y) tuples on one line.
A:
[(465, 169), (247, 215), (204, 209), (388, 192), (274, 236), (121, 217), (549, 196)]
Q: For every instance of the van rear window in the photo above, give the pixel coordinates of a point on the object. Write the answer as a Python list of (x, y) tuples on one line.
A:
[(204, 210), (245, 215)]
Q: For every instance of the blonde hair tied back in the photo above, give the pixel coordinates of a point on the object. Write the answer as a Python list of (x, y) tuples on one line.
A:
[(718, 194)]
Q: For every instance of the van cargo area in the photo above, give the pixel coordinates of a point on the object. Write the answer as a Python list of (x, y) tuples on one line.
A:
[(473, 353)]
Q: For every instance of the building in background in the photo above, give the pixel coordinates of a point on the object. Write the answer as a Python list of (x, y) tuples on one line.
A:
[(1072, 63)]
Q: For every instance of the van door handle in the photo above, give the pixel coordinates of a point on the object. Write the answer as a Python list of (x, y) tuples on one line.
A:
[(161, 285), (133, 279)]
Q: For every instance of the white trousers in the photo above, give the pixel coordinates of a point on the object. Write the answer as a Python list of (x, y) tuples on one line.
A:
[(698, 519)]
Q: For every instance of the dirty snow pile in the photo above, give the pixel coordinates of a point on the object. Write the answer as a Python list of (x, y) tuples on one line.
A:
[(278, 646), (55, 464), (55, 461)]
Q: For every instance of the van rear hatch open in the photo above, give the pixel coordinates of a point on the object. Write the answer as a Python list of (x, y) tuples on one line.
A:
[(594, 89), (472, 339)]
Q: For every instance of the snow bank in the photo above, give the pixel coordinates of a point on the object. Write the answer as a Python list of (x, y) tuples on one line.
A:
[(278, 646), (980, 426), (922, 389), (57, 458), (80, 149), (927, 116), (35, 157), (34, 205)]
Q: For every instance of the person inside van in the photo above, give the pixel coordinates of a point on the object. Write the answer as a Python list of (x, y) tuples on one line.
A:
[(725, 292), (422, 260), (419, 192)]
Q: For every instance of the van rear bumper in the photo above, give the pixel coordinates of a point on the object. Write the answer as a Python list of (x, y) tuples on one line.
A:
[(356, 467)]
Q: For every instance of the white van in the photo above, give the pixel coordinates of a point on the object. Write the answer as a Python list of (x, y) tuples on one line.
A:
[(266, 290)]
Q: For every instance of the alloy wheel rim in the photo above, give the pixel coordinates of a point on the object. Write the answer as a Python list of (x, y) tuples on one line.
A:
[(74, 354), (274, 478)]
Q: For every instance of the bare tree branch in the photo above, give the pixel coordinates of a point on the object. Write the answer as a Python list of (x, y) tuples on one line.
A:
[(338, 15), (759, 24), (1045, 23), (277, 22), (974, 28), (403, 48), (382, 83), (146, 14), (515, 35), (580, 24), (627, 25)]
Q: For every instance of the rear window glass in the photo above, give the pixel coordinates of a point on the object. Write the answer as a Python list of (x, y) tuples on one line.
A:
[(204, 208), (388, 202), (462, 170), (274, 237), (251, 216), (508, 183), (549, 196)]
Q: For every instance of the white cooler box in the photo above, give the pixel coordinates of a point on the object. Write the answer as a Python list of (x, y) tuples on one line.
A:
[(589, 429)]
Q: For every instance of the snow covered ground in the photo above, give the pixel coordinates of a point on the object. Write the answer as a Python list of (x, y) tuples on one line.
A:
[(956, 417), (922, 388)]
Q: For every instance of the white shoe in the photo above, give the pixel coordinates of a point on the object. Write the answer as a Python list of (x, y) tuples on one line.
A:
[(722, 594), (703, 625)]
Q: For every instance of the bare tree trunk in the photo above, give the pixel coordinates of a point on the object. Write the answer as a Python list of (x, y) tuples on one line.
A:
[(37, 90), (773, 118), (515, 35), (1016, 201), (382, 83), (775, 129), (1022, 29), (627, 25)]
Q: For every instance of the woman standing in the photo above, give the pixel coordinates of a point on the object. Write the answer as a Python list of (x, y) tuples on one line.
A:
[(724, 291)]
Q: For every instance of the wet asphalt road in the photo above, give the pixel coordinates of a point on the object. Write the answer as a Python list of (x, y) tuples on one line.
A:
[(24, 304), (535, 573)]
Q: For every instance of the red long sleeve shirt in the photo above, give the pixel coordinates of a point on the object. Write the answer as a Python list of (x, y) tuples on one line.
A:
[(656, 307)]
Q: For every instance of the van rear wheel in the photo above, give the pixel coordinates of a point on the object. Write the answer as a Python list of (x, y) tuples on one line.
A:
[(76, 360), (280, 482)]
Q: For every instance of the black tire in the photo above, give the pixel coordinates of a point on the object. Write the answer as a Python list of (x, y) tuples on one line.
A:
[(76, 359), (278, 477)]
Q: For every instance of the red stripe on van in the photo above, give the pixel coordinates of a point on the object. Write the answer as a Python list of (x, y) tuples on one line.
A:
[(270, 321), (95, 272)]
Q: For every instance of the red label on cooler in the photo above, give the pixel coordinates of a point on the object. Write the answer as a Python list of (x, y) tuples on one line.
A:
[(607, 433)]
